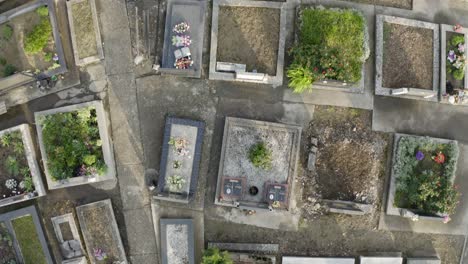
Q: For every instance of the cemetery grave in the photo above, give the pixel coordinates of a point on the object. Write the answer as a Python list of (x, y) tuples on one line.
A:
[(247, 41), (241, 253), (258, 164), (75, 145), (395, 50), (20, 178), (331, 47), (177, 241), (180, 159), (68, 237)]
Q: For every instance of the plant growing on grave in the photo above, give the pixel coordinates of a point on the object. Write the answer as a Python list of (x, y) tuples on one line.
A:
[(424, 170), (215, 256), (175, 183), (179, 146), (335, 50), (9, 70), (456, 58), (7, 251), (260, 156), (27, 184), (73, 144), (177, 164), (43, 11), (7, 32), (37, 39), (12, 165)]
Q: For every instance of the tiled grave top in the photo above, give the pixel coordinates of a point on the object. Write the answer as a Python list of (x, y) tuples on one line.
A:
[(192, 12), (7, 218), (411, 93), (108, 153), (177, 241), (317, 260), (193, 132), (108, 219), (381, 260)]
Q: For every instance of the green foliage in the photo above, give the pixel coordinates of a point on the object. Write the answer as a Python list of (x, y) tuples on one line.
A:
[(38, 38), (175, 183), (457, 39), (28, 184), (43, 11), (331, 46), (260, 156), (71, 144), (215, 256), (9, 70), (48, 57), (28, 240), (424, 185), (12, 165), (456, 57), (3, 61), (7, 32)]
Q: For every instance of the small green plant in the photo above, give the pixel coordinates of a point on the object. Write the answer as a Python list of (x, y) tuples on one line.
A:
[(177, 164), (456, 59), (89, 159), (6, 140), (9, 70), (215, 256), (48, 56), (12, 165), (38, 38), (260, 156), (300, 78), (175, 183), (28, 184), (7, 32), (43, 11), (3, 61)]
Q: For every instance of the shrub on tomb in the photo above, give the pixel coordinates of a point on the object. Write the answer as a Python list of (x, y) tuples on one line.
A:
[(7, 32), (215, 256), (260, 156), (456, 59), (38, 38)]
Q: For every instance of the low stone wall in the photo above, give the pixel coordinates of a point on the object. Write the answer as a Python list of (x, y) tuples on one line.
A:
[(107, 149), (347, 207)]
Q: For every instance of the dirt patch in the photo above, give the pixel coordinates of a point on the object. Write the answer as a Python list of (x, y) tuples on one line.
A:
[(12, 50), (407, 57), (249, 35), (66, 231), (99, 227), (85, 34), (350, 158), (7, 251)]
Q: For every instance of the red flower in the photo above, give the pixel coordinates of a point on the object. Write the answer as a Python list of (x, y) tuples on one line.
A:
[(439, 158)]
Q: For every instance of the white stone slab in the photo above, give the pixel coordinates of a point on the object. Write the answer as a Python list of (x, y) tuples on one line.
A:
[(380, 260), (317, 260)]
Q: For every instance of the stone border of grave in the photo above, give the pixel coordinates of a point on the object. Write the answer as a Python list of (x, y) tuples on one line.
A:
[(182, 198), (406, 92), (19, 79), (80, 260), (163, 223), (231, 70), (115, 233), (382, 258), (443, 59), (391, 209), (321, 260), (100, 52), (30, 210), (70, 219), (30, 154), (107, 149), (268, 251), (332, 85), (167, 66), (295, 148)]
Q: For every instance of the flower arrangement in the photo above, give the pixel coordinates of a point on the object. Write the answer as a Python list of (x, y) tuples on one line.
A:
[(11, 184), (180, 28), (181, 40), (179, 145), (183, 63), (176, 183), (99, 254), (457, 28), (456, 57)]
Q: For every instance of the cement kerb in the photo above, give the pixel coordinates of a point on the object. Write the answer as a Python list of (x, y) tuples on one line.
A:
[(115, 229), (295, 148), (27, 211), (391, 209), (32, 164), (317, 260), (107, 149), (348, 207), (163, 223), (443, 58), (380, 21), (276, 80), (99, 50), (246, 247), (80, 260)]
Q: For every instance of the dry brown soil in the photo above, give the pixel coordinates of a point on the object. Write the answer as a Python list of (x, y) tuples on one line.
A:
[(249, 35), (407, 57), (12, 50), (84, 29)]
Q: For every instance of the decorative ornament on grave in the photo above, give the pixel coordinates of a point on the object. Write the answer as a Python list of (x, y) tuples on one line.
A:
[(181, 40), (181, 28)]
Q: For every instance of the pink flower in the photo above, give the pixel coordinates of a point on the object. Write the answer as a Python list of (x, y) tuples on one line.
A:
[(447, 219)]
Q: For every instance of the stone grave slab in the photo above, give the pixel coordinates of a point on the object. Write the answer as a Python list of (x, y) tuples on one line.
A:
[(177, 241), (380, 260), (317, 260), (71, 247), (413, 260)]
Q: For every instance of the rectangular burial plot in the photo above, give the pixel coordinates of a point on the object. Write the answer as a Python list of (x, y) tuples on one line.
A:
[(23, 239), (180, 159), (177, 241), (245, 253), (85, 32), (350, 160), (331, 47), (183, 38), (30, 42), (101, 233), (453, 80), (68, 236), (20, 177), (423, 172), (258, 164), (247, 41), (407, 58), (75, 145), (317, 260)]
